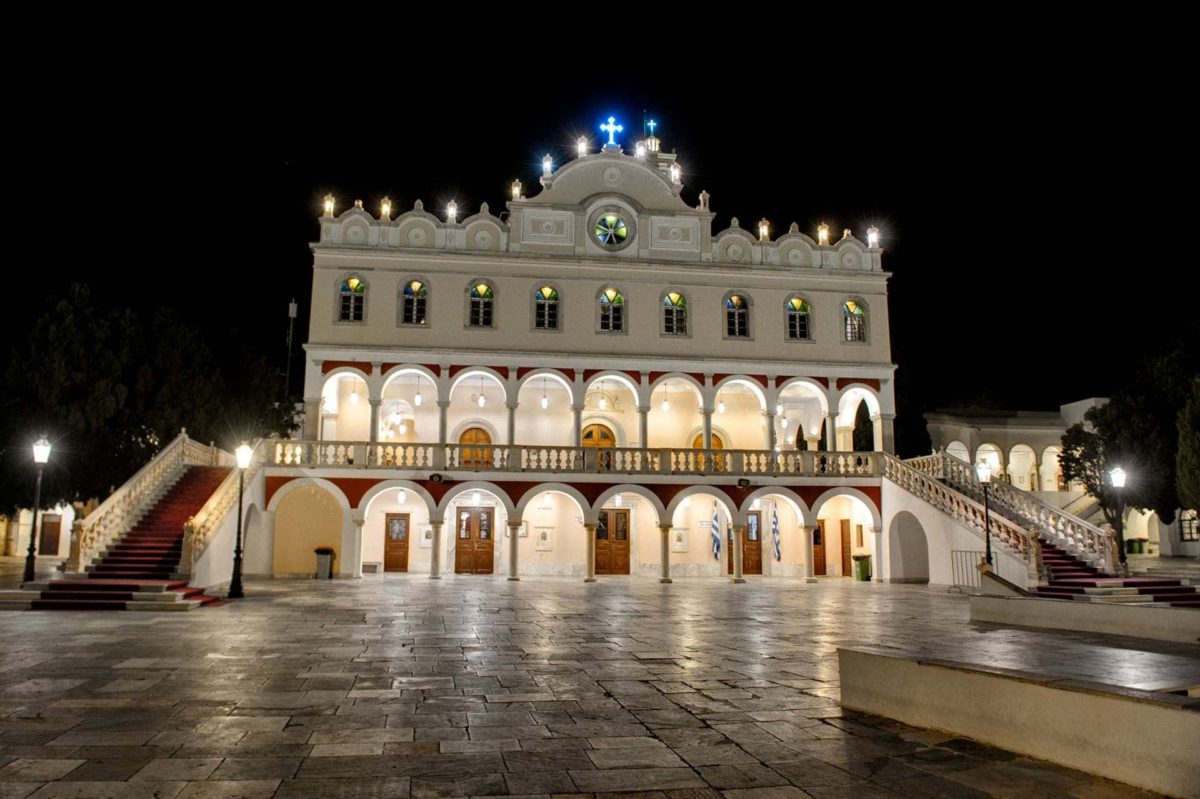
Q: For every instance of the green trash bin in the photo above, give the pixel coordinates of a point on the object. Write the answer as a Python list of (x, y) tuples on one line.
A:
[(862, 568)]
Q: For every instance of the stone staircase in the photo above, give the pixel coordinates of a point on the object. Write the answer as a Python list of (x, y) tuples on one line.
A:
[(1071, 578), (140, 571)]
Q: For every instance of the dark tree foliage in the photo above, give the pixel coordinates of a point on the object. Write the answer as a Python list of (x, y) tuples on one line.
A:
[(864, 429), (1187, 461), (110, 389)]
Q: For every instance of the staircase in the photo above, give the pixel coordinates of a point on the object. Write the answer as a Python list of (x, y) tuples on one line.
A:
[(141, 570), (1071, 578)]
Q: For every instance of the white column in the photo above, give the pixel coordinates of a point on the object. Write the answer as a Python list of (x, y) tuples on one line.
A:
[(643, 426), (349, 559), (439, 455), (770, 414), (578, 411), (806, 537), (845, 439), (830, 441), (514, 530), (374, 434), (512, 423), (813, 443), (312, 418), (435, 557), (739, 530), (706, 411), (590, 530), (665, 553), (876, 554)]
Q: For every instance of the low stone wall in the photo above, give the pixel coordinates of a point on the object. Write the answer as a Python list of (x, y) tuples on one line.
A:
[(1161, 624), (1136, 737)]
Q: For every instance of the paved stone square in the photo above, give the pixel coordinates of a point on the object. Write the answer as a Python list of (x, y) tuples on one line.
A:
[(402, 686)]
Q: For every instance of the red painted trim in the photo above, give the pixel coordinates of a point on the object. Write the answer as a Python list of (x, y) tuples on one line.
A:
[(760, 379), (656, 375), (869, 382), (524, 370), (329, 366), (387, 367), (433, 367)]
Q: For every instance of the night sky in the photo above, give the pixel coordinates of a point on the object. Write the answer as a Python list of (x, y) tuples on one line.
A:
[(1003, 211)]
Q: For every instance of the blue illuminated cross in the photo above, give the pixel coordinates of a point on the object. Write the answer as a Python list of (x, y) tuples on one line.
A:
[(612, 129), (652, 125)]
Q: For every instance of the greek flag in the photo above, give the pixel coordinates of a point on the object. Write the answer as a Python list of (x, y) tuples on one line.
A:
[(716, 534), (775, 531)]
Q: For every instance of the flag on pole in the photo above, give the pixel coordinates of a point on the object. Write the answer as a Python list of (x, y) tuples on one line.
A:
[(716, 534), (775, 530)]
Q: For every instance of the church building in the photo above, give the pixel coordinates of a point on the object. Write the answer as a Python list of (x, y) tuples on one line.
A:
[(592, 382)]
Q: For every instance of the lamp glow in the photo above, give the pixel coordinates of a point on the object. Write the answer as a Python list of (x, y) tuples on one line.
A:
[(417, 399), (482, 400), (582, 146), (764, 230), (1117, 477), (779, 409), (983, 470), (823, 234), (603, 402), (675, 173), (358, 204), (872, 236), (547, 165), (385, 210), (41, 451), (452, 212), (720, 406), (783, 422), (401, 496), (617, 500), (545, 402), (244, 454), (475, 498), (354, 396), (640, 150), (666, 405), (516, 190), (403, 427), (328, 205)]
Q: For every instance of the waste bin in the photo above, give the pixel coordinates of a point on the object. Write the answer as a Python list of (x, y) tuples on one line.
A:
[(324, 563), (1135, 546), (862, 568)]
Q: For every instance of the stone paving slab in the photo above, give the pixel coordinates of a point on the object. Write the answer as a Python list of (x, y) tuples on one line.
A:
[(403, 687)]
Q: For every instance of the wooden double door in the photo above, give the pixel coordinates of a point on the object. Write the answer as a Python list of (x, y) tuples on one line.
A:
[(474, 545), (819, 542), (396, 529), (612, 541), (751, 545)]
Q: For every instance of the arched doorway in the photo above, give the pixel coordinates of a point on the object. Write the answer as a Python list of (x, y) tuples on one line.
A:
[(908, 550), (476, 452), (599, 436), (717, 443)]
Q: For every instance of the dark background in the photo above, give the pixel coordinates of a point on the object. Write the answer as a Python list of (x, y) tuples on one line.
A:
[(1034, 262)]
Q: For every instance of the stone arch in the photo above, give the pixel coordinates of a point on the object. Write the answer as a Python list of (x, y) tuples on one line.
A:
[(731, 507), (546, 373), (486, 372), (467, 424), (1022, 467), (1049, 468), (993, 455), (788, 494), (679, 376), (478, 485), (907, 550), (628, 488), (959, 450), (410, 368), (818, 390), (742, 380), (585, 507), (305, 482), (848, 403), (364, 504), (844, 491)]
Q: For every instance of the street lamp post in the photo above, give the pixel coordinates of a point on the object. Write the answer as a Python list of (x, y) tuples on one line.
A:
[(41, 454), (984, 471), (244, 453), (1116, 476)]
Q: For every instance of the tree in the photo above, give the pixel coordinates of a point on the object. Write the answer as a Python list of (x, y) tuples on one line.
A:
[(1187, 460)]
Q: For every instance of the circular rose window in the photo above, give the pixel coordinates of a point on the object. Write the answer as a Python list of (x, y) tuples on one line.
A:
[(611, 230)]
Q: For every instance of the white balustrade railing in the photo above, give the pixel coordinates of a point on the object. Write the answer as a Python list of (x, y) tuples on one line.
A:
[(92, 534), (575, 460), (1080, 538), (198, 531), (965, 510)]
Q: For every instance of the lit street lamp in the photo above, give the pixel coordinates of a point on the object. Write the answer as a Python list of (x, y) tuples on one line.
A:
[(244, 453), (984, 471), (1117, 477), (41, 454)]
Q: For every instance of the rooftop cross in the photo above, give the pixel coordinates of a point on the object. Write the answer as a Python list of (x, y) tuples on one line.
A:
[(612, 129), (652, 125)]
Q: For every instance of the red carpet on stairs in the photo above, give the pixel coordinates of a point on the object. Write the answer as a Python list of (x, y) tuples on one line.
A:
[(1070, 577), (146, 558)]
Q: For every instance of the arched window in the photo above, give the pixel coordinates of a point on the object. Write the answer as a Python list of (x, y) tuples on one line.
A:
[(612, 311), (416, 294), (353, 300), (854, 321), (674, 314), (479, 312), (545, 308), (737, 316), (798, 328)]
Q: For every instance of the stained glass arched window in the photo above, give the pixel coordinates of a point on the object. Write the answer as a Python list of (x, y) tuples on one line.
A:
[(482, 299), (352, 300), (798, 312), (737, 316), (611, 230), (674, 314), (545, 308), (416, 295), (854, 319), (612, 311)]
